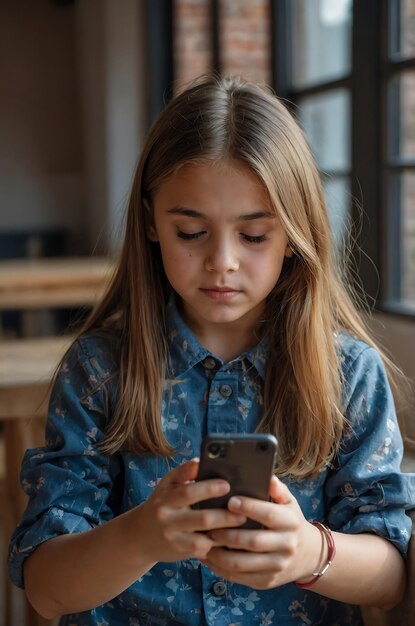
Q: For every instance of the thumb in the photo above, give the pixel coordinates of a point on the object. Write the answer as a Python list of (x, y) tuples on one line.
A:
[(183, 473), (280, 492)]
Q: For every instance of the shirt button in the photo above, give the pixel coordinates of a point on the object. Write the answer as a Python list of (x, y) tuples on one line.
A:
[(209, 363), (219, 588), (225, 391)]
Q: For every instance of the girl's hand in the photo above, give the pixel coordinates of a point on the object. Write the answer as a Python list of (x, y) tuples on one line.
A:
[(288, 548), (172, 529)]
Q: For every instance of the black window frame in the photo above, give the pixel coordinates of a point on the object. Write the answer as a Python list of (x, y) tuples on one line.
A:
[(392, 165), (374, 232)]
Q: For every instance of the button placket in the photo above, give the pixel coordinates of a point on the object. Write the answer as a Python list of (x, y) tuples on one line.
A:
[(222, 400)]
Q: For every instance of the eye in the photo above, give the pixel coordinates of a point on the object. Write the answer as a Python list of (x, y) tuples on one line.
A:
[(254, 239), (190, 236)]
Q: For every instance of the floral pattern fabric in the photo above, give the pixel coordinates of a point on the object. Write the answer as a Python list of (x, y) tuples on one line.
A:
[(73, 487)]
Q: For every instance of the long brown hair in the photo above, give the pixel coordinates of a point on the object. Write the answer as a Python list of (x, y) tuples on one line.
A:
[(214, 120)]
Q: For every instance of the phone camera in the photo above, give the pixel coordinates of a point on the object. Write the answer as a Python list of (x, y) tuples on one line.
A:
[(262, 446), (214, 450)]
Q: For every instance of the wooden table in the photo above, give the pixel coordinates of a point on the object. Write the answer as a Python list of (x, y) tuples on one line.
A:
[(53, 282), (26, 368)]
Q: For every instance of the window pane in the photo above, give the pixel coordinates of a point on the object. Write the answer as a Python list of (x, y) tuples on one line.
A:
[(408, 239), (401, 239), (321, 42), (402, 28), (402, 115), (325, 119), (337, 191)]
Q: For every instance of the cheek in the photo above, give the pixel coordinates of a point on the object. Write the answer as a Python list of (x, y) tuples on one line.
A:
[(172, 255), (265, 265), (264, 272), (177, 261)]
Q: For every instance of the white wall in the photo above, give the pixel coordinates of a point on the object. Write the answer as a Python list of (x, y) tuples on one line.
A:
[(111, 36), (72, 116), (398, 336), (41, 169), (126, 104)]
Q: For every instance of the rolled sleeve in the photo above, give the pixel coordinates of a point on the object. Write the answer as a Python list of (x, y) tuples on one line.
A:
[(69, 481), (366, 491)]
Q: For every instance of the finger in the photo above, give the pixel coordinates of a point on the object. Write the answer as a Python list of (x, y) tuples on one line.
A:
[(192, 545), (206, 519), (222, 573), (267, 514), (191, 493), (183, 473), (280, 492), (240, 561), (250, 540), (253, 580)]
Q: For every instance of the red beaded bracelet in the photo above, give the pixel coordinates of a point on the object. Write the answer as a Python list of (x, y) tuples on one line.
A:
[(326, 532)]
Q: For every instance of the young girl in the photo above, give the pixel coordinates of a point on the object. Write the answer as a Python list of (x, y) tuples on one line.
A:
[(226, 314)]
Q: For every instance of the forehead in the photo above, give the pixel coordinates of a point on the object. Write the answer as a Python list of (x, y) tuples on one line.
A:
[(203, 186)]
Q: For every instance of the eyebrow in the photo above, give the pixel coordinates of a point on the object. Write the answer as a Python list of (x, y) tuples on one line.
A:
[(246, 217)]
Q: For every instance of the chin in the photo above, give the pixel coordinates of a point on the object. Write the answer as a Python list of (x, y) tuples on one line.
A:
[(223, 317)]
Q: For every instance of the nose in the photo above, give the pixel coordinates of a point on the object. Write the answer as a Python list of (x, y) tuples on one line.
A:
[(222, 256)]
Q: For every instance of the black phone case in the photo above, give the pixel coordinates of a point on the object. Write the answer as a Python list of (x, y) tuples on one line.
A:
[(247, 462)]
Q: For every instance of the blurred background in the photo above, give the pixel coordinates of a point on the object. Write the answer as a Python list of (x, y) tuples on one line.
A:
[(82, 80)]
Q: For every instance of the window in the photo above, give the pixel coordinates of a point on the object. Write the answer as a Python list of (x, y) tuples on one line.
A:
[(399, 87), (348, 68)]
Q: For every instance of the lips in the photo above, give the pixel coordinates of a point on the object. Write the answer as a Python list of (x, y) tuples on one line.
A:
[(220, 293), (223, 289)]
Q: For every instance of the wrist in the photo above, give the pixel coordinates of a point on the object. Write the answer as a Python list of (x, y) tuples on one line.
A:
[(139, 538), (328, 552), (314, 552)]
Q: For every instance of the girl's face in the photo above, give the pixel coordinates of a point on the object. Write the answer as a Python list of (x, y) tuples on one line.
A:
[(222, 245)]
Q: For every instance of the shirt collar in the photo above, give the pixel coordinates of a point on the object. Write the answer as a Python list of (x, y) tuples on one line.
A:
[(185, 350)]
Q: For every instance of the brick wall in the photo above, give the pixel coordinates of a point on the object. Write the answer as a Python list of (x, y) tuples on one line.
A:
[(191, 40), (244, 39)]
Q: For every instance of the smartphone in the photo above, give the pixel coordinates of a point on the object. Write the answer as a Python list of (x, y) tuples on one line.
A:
[(246, 461)]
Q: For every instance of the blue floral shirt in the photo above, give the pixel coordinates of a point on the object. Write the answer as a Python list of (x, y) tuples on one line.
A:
[(73, 487)]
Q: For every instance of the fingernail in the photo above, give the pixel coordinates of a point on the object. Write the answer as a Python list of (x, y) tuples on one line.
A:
[(222, 484), (235, 503)]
